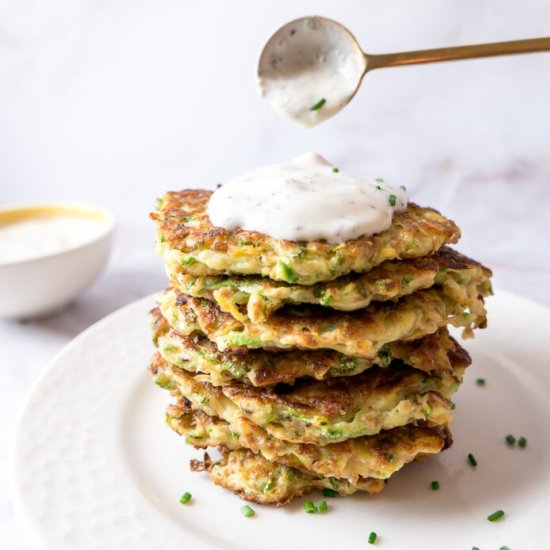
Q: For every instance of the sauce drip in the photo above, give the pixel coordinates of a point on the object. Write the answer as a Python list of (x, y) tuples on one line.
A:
[(306, 200)]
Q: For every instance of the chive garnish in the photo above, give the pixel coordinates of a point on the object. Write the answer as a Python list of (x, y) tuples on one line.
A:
[(495, 516), (335, 170), (380, 180), (372, 537), (185, 498), (330, 493), (472, 460), (309, 507), (435, 485), (522, 442), (510, 439), (379, 188), (480, 381), (322, 506), (318, 105), (288, 273), (392, 199), (247, 512), (475, 548), (504, 548)]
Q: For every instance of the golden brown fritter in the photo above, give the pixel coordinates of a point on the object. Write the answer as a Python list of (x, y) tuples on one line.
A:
[(361, 333), (189, 243), (259, 367), (256, 298), (255, 479), (323, 412), (378, 456)]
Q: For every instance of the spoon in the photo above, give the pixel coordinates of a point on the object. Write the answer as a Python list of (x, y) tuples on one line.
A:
[(313, 66)]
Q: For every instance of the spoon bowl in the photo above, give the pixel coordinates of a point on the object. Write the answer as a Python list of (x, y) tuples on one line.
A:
[(310, 69)]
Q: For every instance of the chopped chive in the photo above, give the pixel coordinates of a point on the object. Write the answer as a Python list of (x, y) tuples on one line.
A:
[(322, 506), (309, 507), (335, 170), (510, 439), (318, 105), (379, 188), (380, 180), (435, 485), (522, 442), (480, 381), (472, 460), (330, 493), (392, 199), (288, 273), (372, 537), (185, 498), (504, 548), (247, 512), (475, 548), (495, 516)]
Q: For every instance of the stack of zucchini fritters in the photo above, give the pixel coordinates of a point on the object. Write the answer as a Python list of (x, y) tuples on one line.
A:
[(311, 365)]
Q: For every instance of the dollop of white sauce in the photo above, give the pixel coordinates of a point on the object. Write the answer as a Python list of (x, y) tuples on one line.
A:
[(310, 69), (306, 200), (41, 236)]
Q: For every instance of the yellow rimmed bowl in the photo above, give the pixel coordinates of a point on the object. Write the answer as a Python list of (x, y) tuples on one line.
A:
[(39, 283)]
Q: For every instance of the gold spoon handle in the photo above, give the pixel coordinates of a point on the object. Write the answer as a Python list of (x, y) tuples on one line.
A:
[(458, 52)]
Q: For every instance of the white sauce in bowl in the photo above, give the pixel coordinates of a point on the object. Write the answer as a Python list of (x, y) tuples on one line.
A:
[(310, 69), (306, 200), (40, 236)]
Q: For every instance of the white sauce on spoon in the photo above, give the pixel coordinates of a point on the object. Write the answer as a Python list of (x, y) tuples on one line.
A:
[(42, 236), (306, 200), (310, 69)]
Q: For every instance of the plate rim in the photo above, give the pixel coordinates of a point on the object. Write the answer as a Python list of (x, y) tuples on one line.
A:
[(24, 520)]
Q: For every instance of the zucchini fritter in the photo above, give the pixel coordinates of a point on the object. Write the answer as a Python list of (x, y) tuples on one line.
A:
[(197, 354), (189, 243), (378, 456), (324, 412), (361, 333), (255, 479), (256, 298)]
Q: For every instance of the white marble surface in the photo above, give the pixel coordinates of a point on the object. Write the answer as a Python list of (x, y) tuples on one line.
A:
[(116, 102)]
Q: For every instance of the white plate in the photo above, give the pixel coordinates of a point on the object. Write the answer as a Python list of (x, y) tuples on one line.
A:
[(94, 466)]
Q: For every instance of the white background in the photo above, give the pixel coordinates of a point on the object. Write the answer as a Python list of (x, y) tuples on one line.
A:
[(116, 102)]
